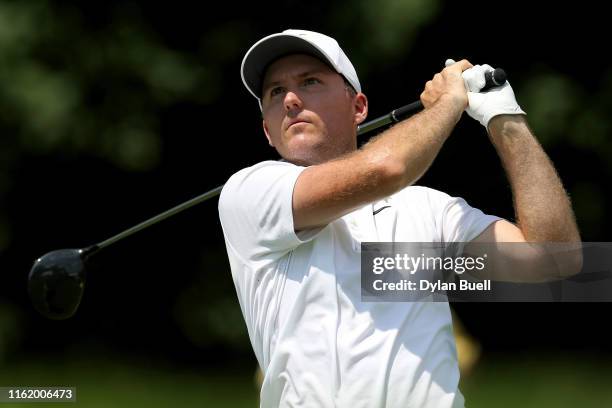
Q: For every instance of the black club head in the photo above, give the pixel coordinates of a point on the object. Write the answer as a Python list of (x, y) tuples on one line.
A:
[(56, 282)]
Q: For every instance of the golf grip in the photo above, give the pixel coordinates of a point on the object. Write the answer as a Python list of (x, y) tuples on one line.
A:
[(492, 79)]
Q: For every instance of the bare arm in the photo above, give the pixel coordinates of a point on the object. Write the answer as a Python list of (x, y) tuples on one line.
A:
[(542, 207), (388, 163), (543, 210)]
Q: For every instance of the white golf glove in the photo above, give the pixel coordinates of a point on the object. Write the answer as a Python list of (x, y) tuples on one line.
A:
[(496, 101)]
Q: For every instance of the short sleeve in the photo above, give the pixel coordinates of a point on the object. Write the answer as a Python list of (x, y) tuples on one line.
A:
[(456, 221), (256, 212), (463, 223)]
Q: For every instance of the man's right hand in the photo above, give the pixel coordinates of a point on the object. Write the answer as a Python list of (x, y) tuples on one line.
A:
[(448, 83)]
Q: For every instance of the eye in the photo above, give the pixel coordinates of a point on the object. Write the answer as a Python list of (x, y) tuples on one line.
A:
[(276, 90), (311, 81)]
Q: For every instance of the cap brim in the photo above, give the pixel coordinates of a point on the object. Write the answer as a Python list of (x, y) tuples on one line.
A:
[(266, 51)]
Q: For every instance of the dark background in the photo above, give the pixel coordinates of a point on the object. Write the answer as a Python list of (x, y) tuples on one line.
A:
[(111, 112)]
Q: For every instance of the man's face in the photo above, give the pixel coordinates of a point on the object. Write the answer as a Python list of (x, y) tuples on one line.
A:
[(309, 113)]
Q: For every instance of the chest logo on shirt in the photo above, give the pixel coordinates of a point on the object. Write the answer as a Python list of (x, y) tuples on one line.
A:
[(380, 209)]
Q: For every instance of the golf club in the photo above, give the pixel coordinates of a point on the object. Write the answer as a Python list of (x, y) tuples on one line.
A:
[(57, 279)]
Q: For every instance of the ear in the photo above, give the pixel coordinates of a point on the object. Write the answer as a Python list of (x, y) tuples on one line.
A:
[(267, 132), (360, 105)]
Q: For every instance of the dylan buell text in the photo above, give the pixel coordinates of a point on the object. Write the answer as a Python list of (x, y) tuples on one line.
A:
[(429, 286)]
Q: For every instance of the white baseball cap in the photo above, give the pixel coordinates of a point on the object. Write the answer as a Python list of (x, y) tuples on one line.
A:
[(272, 47)]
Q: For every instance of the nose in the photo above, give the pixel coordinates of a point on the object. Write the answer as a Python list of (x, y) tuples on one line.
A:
[(292, 101)]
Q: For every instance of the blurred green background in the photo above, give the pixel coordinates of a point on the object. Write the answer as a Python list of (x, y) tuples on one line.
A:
[(111, 112)]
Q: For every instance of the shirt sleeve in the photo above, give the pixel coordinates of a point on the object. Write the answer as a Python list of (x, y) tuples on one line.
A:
[(457, 222), (256, 212), (461, 222)]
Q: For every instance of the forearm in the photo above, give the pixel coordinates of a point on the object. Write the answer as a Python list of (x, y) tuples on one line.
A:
[(543, 209), (411, 146)]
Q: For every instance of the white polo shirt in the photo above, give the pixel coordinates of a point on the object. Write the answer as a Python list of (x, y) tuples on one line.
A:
[(317, 343)]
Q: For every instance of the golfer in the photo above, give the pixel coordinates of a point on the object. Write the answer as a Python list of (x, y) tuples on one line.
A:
[(293, 227)]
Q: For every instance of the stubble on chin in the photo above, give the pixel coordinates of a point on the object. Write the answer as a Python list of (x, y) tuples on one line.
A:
[(315, 155), (311, 148)]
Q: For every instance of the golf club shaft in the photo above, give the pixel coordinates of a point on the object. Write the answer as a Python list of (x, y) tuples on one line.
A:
[(154, 220), (394, 116), (494, 78)]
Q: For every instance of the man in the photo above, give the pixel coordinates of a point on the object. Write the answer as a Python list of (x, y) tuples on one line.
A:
[(293, 227)]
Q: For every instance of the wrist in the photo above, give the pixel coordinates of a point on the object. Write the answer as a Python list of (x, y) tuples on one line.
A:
[(454, 103), (507, 124)]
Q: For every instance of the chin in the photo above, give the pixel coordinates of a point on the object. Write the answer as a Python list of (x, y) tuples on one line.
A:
[(306, 148), (304, 157), (309, 157), (310, 148)]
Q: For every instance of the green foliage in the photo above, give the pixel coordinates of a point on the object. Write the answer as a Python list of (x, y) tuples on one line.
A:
[(207, 311), (563, 112), (10, 329), (383, 30), (392, 25), (107, 380), (539, 380), (69, 88), (588, 201), (550, 102)]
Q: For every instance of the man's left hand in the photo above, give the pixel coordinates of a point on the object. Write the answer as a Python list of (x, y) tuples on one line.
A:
[(483, 106)]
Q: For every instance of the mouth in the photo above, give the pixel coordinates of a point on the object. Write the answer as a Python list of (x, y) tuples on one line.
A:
[(297, 122)]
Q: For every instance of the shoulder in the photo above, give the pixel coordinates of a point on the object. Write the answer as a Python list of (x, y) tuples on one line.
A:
[(422, 196), (429, 202), (255, 210), (257, 176), (267, 166)]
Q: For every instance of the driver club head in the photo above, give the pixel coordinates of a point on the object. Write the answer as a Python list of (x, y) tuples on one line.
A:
[(56, 282)]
